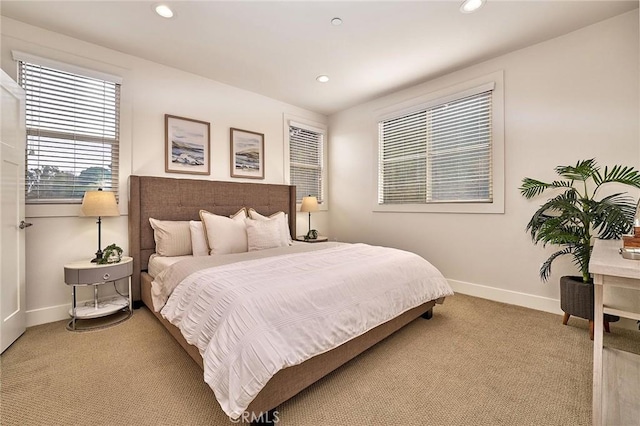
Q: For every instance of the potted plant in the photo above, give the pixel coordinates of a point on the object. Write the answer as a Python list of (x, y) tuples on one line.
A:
[(572, 217)]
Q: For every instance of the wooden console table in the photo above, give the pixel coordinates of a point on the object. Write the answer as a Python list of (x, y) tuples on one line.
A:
[(616, 374)]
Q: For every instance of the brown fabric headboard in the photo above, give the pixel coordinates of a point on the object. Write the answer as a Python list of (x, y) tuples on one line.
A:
[(181, 199)]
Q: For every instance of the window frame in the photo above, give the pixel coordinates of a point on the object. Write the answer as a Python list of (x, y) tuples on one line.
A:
[(313, 126), (60, 206), (438, 97)]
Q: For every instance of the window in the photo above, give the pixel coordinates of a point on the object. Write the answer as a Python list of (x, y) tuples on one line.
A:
[(439, 153), (72, 133), (307, 161)]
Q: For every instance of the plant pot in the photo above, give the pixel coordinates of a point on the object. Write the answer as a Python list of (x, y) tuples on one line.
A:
[(576, 299)]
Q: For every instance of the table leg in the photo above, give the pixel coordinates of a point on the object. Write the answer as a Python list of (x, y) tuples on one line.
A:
[(95, 296), (597, 350), (73, 307), (130, 298)]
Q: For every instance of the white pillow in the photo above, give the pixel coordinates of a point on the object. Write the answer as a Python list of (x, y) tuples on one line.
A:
[(283, 223), (198, 238), (263, 234), (225, 235), (172, 237)]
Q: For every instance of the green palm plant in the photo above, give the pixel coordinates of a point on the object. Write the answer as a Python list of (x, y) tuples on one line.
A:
[(572, 217)]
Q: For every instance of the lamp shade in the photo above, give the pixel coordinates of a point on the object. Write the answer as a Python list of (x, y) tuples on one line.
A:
[(309, 204), (99, 203)]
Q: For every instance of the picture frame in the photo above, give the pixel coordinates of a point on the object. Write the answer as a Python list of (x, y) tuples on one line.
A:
[(247, 154), (187, 145)]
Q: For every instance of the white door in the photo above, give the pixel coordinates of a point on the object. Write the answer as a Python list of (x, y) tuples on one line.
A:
[(12, 153)]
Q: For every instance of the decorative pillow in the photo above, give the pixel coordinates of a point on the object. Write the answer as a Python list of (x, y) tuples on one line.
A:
[(240, 214), (198, 239), (172, 237), (263, 234), (283, 222), (225, 235)]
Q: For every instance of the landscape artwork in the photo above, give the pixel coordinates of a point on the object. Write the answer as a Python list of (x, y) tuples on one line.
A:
[(247, 154), (187, 144)]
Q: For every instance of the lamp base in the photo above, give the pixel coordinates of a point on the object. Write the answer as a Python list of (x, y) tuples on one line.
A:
[(311, 235), (99, 252), (98, 257)]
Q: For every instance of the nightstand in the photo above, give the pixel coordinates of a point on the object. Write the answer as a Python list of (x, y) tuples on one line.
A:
[(85, 273), (320, 239)]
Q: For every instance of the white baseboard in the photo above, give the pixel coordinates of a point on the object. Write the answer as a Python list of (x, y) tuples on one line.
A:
[(48, 314), (531, 301), (57, 313), (539, 303)]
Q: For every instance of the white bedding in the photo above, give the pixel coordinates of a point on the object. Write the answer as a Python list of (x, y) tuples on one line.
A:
[(251, 319), (158, 264), (166, 281)]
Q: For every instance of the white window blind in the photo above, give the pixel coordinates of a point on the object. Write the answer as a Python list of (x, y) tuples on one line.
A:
[(72, 134), (306, 161), (439, 154)]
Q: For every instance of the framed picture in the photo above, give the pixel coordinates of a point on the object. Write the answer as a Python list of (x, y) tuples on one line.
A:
[(247, 154), (187, 145)]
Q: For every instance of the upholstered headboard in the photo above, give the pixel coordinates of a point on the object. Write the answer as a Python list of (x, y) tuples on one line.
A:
[(181, 199)]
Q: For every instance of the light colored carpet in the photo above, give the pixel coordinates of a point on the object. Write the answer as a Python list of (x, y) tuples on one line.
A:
[(476, 362)]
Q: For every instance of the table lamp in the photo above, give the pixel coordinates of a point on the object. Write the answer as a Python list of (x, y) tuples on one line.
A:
[(99, 204), (309, 204)]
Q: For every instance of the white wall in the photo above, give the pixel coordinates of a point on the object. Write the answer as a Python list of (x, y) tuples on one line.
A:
[(149, 91), (571, 98)]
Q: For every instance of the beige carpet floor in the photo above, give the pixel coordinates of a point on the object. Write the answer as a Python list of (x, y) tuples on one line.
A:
[(476, 362)]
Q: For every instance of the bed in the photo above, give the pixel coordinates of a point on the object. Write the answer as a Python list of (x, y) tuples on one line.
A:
[(181, 200)]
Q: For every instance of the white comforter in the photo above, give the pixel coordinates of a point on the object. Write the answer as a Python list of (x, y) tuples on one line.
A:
[(253, 318)]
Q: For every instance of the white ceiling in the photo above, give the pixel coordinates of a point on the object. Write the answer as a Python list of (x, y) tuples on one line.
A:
[(278, 48)]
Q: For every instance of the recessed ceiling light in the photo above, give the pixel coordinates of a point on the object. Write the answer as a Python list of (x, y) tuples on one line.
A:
[(471, 5), (322, 78), (336, 21), (164, 11)]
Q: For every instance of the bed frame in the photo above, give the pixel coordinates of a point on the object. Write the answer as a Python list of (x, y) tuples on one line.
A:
[(181, 199)]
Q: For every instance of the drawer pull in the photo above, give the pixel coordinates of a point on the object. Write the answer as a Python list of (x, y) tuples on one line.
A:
[(106, 276)]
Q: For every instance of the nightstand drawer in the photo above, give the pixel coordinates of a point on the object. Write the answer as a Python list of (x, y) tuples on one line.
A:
[(98, 273)]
